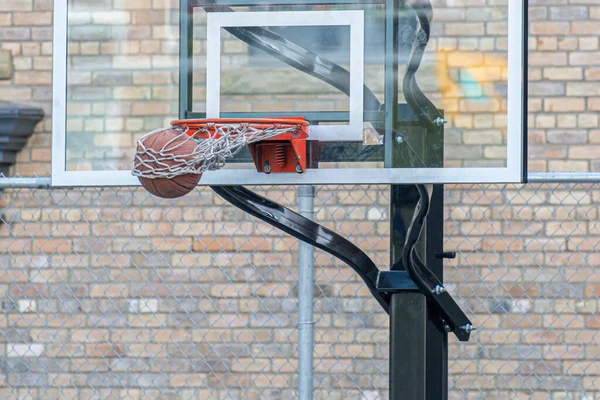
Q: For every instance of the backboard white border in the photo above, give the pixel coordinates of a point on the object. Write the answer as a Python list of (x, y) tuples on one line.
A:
[(353, 131), (59, 91), (512, 173)]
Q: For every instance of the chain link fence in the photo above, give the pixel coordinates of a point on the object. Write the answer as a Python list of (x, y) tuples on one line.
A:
[(115, 294)]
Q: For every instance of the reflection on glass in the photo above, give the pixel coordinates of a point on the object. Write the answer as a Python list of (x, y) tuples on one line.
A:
[(122, 82)]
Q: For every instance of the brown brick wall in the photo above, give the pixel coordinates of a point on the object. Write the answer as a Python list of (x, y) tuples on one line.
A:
[(107, 292)]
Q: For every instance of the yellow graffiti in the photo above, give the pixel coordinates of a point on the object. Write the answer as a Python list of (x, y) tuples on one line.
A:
[(471, 81)]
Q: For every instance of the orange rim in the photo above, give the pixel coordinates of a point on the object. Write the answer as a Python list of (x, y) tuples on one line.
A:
[(257, 122)]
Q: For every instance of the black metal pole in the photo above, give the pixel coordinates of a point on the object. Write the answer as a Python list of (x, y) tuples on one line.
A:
[(408, 355), (408, 311), (418, 341)]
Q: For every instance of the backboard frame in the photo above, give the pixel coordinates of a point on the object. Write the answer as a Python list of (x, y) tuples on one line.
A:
[(516, 143), (353, 19)]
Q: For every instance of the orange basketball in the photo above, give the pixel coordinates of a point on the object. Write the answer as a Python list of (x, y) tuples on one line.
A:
[(171, 142)]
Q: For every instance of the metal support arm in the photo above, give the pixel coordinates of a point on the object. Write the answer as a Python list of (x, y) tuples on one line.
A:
[(308, 231), (380, 283)]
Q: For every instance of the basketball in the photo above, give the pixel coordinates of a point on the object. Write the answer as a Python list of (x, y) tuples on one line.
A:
[(175, 147)]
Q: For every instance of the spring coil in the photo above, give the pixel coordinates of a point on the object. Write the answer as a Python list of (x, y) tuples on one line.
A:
[(280, 156)]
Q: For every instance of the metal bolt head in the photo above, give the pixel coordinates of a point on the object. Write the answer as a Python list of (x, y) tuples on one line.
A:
[(439, 289), (299, 168), (267, 168), (440, 121), (399, 139), (468, 327)]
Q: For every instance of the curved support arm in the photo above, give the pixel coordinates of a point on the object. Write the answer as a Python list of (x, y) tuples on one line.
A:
[(425, 280), (423, 108), (308, 231)]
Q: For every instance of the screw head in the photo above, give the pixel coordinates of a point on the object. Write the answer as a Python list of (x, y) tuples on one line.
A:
[(267, 168), (440, 121), (399, 139), (439, 289), (299, 169)]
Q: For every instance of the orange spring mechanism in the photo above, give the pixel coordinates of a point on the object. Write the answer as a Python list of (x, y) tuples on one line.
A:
[(280, 155)]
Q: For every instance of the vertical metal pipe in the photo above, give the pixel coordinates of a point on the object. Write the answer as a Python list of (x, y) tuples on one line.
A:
[(306, 206)]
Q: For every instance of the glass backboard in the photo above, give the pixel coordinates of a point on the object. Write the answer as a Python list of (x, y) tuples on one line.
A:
[(421, 93)]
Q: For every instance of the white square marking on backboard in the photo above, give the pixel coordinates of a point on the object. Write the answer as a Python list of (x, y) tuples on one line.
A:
[(353, 131)]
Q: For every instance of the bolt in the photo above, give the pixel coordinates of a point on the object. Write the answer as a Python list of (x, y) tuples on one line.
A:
[(439, 290), (468, 327), (267, 168), (299, 168), (399, 139), (440, 121), (446, 254), (447, 328)]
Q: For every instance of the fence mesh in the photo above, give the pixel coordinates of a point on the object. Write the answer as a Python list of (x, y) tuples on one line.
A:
[(114, 294)]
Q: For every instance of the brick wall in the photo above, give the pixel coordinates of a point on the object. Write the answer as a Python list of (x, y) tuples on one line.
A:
[(26, 33), (113, 294)]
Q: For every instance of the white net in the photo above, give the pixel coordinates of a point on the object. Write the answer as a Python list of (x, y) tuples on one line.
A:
[(194, 150)]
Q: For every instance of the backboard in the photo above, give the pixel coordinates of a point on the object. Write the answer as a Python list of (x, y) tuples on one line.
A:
[(414, 93)]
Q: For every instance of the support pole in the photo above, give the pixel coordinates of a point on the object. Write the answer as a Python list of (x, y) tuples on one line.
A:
[(419, 368), (418, 342), (306, 201), (408, 355), (408, 311)]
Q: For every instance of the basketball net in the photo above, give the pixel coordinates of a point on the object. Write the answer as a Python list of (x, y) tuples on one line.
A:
[(215, 142)]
